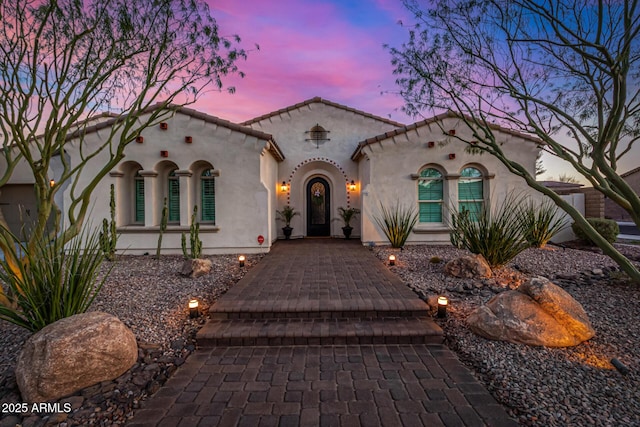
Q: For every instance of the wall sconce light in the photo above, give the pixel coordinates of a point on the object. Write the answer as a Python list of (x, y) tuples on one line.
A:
[(283, 187), (452, 156), (442, 306), (193, 308), (52, 182), (188, 139), (164, 153), (164, 126), (241, 260), (139, 139), (352, 186), (392, 259)]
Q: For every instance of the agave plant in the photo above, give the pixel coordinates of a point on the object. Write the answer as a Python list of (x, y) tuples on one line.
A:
[(498, 237), (397, 222), (541, 222), (53, 282)]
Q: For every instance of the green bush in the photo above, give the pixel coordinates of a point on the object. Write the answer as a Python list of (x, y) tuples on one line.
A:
[(541, 222), (498, 237), (396, 223), (607, 228), (52, 282)]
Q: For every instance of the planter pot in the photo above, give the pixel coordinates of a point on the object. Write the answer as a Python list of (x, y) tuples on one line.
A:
[(347, 231), (287, 232)]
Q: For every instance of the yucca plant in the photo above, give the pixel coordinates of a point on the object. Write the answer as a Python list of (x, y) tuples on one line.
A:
[(53, 282), (541, 222), (498, 237), (396, 223)]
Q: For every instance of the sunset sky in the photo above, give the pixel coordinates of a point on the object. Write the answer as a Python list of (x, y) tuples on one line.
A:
[(327, 48), (331, 49)]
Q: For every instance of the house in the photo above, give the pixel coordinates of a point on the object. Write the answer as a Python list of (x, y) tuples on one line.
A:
[(315, 156)]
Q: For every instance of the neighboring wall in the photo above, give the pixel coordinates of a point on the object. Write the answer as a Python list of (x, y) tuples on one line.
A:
[(613, 210)]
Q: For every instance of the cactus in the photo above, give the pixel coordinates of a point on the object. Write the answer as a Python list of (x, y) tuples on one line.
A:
[(109, 236), (194, 238), (163, 226)]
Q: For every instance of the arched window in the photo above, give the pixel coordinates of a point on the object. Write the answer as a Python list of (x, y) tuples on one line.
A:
[(138, 191), (430, 195), (208, 196), (470, 191), (174, 197)]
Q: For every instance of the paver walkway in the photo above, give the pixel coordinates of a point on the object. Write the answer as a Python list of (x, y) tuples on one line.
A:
[(321, 333)]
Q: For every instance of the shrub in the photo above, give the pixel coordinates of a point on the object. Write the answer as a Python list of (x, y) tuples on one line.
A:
[(53, 282), (607, 228), (498, 237), (396, 223), (541, 222)]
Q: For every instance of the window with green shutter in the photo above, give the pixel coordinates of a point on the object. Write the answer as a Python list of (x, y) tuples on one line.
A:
[(208, 196), (174, 198), (139, 198), (470, 192), (430, 195)]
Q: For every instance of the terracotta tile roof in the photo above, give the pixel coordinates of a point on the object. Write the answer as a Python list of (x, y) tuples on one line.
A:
[(404, 129), (273, 146), (318, 99)]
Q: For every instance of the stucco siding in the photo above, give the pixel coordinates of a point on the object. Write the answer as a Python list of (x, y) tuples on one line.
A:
[(393, 161)]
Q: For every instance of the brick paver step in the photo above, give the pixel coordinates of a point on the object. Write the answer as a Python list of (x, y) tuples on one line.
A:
[(343, 331), (305, 308)]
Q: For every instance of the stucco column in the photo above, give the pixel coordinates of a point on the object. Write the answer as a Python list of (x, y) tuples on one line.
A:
[(150, 215), (451, 189), (185, 196)]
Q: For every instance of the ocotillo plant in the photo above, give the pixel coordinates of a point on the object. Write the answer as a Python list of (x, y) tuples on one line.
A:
[(109, 236), (163, 226)]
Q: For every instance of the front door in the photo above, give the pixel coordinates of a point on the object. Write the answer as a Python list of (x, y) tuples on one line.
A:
[(318, 208)]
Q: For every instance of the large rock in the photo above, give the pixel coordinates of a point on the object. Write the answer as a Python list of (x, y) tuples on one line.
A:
[(538, 313), (468, 267), (196, 267), (72, 354)]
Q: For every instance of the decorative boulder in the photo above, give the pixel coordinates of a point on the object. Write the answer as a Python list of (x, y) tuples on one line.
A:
[(196, 267), (468, 267), (74, 353), (538, 313)]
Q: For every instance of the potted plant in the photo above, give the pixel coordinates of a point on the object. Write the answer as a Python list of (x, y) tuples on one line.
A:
[(347, 214), (286, 214)]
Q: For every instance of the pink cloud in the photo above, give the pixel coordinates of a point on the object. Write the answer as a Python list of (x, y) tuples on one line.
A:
[(307, 49)]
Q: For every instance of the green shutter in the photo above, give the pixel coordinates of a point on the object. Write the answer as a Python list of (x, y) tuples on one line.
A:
[(139, 200), (430, 212), (430, 190), (174, 200), (470, 190), (208, 201)]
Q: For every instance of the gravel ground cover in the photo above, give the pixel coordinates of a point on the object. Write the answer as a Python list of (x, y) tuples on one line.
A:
[(151, 298), (539, 386)]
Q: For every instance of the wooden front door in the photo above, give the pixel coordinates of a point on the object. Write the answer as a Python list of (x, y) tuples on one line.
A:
[(318, 208)]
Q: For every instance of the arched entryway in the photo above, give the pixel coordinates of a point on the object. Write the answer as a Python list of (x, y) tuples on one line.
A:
[(318, 197)]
